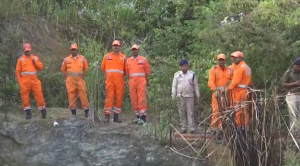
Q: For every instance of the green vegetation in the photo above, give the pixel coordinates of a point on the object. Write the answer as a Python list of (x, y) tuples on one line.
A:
[(166, 31)]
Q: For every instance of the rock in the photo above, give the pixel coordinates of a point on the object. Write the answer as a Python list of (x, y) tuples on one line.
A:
[(75, 144)]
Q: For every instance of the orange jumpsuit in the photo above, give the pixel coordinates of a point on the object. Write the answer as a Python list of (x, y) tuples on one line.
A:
[(75, 68), (239, 84), (137, 71), (218, 80), (114, 68), (26, 74)]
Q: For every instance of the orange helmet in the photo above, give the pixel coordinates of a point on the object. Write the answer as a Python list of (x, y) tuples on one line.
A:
[(135, 46), (116, 42), (26, 47), (221, 56), (73, 46), (237, 54)]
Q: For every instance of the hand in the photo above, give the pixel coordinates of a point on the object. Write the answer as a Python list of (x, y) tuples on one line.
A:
[(297, 83)]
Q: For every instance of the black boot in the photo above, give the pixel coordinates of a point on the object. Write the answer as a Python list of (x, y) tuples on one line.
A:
[(136, 121), (86, 113), (44, 113), (107, 117), (28, 114), (73, 111), (143, 117), (116, 118)]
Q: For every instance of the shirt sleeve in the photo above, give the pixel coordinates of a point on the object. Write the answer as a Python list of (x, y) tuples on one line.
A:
[(103, 64), (146, 68), (237, 78), (38, 64), (211, 79), (285, 77)]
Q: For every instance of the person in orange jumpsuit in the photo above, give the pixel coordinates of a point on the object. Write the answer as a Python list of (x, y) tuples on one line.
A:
[(75, 67), (26, 74), (113, 66), (239, 85), (219, 76), (137, 70)]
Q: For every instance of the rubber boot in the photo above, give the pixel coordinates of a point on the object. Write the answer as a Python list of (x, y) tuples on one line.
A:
[(143, 117), (44, 113), (86, 113), (28, 114), (116, 118), (73, 111), (107, 117)]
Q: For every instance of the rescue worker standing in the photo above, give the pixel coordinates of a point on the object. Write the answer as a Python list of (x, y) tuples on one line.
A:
[(291, 82), (218, 79), (75, 67), (240, 83), (184, 85), (113, 66), (137, 70), (26, 73)]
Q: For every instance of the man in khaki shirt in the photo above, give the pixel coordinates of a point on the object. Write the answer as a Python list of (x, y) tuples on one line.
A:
[(291, 82), (183, 87)]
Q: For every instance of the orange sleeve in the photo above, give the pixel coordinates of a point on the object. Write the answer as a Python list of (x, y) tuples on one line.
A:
[(103, 64), (211, 79), (64, 67), (237, 78), (38, 64), (85, 66), (146, 68), (18, 71)]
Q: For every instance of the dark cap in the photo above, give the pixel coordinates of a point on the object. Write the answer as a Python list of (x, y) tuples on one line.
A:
[(183, 62), (296, 61)]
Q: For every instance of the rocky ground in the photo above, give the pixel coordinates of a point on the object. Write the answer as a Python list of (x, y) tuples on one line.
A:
[(74, 142)]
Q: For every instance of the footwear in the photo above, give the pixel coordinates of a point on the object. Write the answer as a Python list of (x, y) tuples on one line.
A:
[(44, 113), (86, 113), (143, 118), (116, 118), (136, 121), (183, 132), (107, 117), (73, 111), (28, 114)]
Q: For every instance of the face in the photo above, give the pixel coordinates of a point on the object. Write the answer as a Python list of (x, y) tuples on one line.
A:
[(232, 59), (74, 52), (221, 62), (296, 68), (184, 68), (237, 60), (116, 48), (27, 53), (135, 52)]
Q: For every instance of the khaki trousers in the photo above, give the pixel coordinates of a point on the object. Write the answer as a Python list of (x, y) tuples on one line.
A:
[(186, 111), (293, 102)]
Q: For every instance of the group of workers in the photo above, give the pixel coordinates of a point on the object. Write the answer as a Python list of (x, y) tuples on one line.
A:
[(229, 86), (234, 80), (115, 67)]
